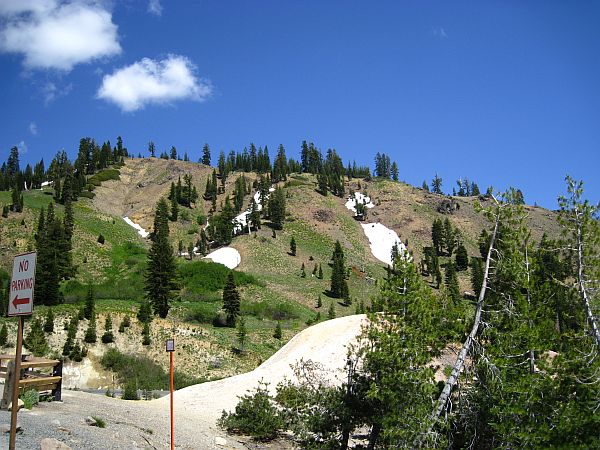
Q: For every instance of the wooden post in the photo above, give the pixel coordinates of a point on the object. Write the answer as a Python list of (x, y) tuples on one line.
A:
[(57, 371), (171, 388), (15, 393)]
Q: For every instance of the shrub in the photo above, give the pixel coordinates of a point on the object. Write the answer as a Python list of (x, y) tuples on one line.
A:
[(203, 312), (255, 415), (267, 310), (201, 277), (101, 239), (30, 398), (104, 175), (87, 194), (130, 391), (98, 422), (146, 373)]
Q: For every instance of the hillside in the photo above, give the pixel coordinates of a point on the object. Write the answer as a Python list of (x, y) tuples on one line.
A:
[(275, 290)]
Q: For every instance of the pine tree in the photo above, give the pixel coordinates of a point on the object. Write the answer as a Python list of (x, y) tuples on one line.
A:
[(476, 275), (319, 301), (331, 311), (339, 286), (174, 208), (293, 246), (3, 335), (452, 282), (49, 322), (437, 235), (231, 300), (302, 271), (206, 155), (462, 258), (320, 275), (90, 333), (436, 185), (36, 339), (277, 334), (241, 334), (403, 335), (108, 335), (161, 270), (449, 236), (146, 334), (144, 314), (90, 304), (277, 208), (394, 171)]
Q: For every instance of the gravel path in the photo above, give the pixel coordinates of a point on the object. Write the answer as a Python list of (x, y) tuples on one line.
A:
[(145, 424)]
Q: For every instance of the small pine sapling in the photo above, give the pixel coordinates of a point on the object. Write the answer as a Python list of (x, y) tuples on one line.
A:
[(278, 334), (108, 335), (331, 311), (146, 334), (49, 322), (3, 335)]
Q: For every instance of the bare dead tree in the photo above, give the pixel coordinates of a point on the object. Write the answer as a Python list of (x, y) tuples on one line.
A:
[(583, 238), (444, 397)]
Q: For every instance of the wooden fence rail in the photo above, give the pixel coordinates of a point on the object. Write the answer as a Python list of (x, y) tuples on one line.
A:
[(32, 376)]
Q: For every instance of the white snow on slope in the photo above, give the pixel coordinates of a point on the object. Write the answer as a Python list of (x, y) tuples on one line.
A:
[(143, 233), (358, 198), (381, 241), (241, 221), (228, 256)]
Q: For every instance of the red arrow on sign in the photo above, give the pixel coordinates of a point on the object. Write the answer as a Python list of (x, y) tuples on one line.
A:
[(20, 301)]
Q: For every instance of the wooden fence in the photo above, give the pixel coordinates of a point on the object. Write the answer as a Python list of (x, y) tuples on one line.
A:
[(41, 374)]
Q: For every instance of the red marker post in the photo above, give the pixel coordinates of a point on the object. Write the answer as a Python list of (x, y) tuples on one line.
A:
[(20, 303), (170, 344)]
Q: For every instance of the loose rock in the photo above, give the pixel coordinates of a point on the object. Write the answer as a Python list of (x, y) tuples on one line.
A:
[(53, 444)]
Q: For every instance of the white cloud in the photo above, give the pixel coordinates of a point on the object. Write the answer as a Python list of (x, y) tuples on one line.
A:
[(33, 128), (440, 32), (54, 34), (22, 147), (51, 91), (154, 7), (150, 81)]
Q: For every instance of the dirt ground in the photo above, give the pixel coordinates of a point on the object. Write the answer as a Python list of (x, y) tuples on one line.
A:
[(145, 424)]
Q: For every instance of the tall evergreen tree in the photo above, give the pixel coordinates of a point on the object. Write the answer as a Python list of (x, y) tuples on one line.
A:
[(451, 281), (206, 155), (90, 334), (339, 286), (437, 235), (436, 185), (89, 309), (231, 300), (462, 258), (277, 208), (161, 270)]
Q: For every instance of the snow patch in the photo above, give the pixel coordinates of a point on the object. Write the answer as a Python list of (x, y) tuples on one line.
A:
[(143, 233), (241, 221), (358, 198), (381, 241), (228, 256)]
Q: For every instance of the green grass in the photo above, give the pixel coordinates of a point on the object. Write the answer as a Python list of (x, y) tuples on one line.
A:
[(104, 175)]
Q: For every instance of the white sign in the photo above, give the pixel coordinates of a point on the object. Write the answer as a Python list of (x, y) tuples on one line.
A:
[(20, 300)]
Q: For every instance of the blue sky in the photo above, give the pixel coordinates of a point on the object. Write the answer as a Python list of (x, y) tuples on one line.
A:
[(504, 93)]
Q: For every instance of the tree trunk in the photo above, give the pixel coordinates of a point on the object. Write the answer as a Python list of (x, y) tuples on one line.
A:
[(375, 430), (460, 360), (581, 286)]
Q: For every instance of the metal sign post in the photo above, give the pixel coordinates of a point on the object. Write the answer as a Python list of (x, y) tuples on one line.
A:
[(170, 347), (20, 303)]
